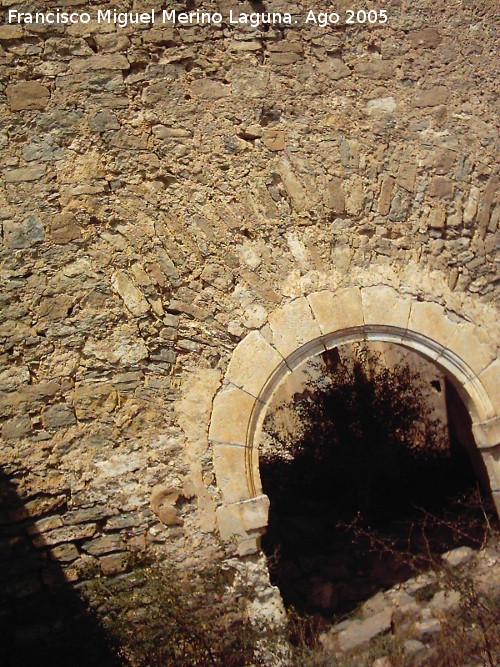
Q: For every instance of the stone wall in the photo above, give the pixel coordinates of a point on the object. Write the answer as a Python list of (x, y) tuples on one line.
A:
[(163, 189)]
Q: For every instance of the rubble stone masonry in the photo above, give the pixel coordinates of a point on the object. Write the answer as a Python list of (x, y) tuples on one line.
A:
[(167, 190)]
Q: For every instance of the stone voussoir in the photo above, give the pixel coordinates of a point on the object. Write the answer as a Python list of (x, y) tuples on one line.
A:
[(231, 463), (429, 319), (472, 346), (383, 305), (293, 325), (339, 310), (252, 363), (231, 415), (490, 379)]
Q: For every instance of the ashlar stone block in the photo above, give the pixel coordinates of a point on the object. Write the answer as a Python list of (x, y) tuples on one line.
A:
[(473, 347), (383, 305), (237, 519), (234, 478), (491, 460), (252, 363), (230, 416), (429, 319), (293, 326), (487, 433), (490, 379), (339, 310)]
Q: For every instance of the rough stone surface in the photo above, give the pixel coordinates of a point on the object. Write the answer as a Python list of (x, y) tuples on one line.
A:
[(164, 192), (26, 94)]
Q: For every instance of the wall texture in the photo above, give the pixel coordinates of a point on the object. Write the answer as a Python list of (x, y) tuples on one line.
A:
[(164, 190)]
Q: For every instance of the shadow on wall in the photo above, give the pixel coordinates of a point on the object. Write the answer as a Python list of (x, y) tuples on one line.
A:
[(43, 621)]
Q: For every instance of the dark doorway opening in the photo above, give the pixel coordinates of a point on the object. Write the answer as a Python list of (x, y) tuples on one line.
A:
[(367, 466)]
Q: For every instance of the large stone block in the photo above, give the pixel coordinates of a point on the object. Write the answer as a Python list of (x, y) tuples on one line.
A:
[(490, 379), (429, 319), (487, 433), (252, 363), (236, 471), (230, 416), (383, 305), (293, 326), (472, 346), (339, 310), (236, 520), (491, 460)]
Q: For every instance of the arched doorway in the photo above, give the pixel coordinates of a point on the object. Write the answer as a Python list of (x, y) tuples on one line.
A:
[(307, 326)]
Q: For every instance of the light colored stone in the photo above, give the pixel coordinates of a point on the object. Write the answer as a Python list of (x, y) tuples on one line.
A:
[(381, 105), (130, 293), (252, 363), (458, 556), (490, 379), (231, 414), (233, 465), (429, 319), (383, 305), (237, 519), (361, 632), (487, 433), (491, 460), (336, 311), (293, 325), (472, 346)]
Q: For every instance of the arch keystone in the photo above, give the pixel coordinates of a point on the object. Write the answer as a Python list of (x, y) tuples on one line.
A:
[(382, 303), (337, 311), (252, 363), (293, 326)]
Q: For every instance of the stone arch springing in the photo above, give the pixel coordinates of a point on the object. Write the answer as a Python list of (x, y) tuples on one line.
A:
[(306, 327)]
